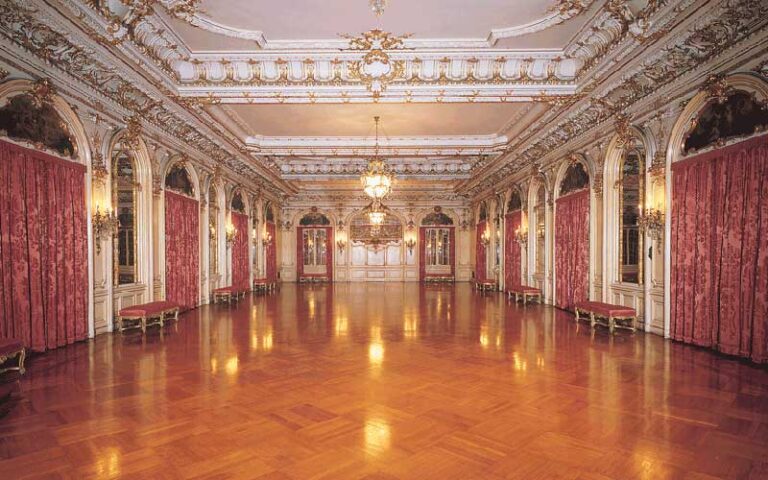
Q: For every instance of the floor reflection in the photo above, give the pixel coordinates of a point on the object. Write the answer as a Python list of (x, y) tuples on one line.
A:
[(388, 378)]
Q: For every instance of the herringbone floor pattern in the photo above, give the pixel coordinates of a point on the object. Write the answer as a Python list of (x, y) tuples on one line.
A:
[(382, 382)]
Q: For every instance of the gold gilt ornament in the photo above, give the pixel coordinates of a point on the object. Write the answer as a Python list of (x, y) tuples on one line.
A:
[(376, 69)]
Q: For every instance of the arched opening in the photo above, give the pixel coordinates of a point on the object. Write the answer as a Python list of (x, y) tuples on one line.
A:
[(314, 237), (631, 196), (125, 188), (572, 209), (437, 247), (182, 238), (717, 273)]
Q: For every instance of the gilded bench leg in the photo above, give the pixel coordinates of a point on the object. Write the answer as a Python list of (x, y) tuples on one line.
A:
[(22, 356), (592, 320), (611, 324), (144, 324), (577, 316)]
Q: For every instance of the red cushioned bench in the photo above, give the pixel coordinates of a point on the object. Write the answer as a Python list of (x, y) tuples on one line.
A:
[(158, 311), (264, 285), (610, 312), (485, 285), (227, 294), (525, 292), (10, 348)]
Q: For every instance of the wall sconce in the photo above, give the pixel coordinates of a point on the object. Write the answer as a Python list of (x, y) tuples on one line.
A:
[(521, 236), (267, 240), (105, 225), (231, 232), (341, 244), (486, 237), (652, 222), (410, 244)]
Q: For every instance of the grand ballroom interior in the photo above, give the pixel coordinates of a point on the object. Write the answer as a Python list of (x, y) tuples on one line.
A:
[(384, 239)]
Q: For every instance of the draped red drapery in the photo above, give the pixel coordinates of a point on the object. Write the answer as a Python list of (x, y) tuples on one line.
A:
[(719, 274), (572, 249), (271, 254), (423, 251), (328, 252), (480, 252), (240, 267), (512, 256), (43, 249), (182, 250)]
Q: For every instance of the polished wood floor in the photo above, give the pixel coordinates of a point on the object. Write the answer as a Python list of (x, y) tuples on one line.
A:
[(381, 382)]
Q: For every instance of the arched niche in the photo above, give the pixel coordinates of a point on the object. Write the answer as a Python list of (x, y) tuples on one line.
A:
[(537, 228), (315, 244), (437, 246), (131, 180)]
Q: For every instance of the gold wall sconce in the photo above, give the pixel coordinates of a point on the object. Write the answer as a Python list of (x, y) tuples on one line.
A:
[(105, 225), (410, 244), (231, 233)]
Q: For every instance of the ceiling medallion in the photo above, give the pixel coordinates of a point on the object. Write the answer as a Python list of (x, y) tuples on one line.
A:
[(378, 6), (377, 179), (376, 70)]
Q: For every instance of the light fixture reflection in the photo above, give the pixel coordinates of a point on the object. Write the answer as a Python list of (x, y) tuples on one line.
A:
[(342, 326), (376, 347), (108, 466), (231, 366), (377, 436)]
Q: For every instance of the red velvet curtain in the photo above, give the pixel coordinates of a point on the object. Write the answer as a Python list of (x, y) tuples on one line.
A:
[(182, 250), (271, 253), (43, 249), (512, 257), (240, 264), (480, 258), (719, 275), (572, 249)]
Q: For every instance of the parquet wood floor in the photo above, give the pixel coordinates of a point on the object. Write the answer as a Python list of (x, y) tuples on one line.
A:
[(384, 382)]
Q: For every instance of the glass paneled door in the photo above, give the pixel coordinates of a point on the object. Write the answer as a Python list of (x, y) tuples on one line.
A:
[(315, 251), (438, 251)]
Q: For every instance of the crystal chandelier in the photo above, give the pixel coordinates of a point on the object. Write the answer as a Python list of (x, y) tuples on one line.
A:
[(378, 6), (377, 179)]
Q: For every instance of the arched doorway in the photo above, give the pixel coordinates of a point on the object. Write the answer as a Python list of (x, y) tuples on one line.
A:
[(182, 237), (437, 247), (514, 235), (314, 248)]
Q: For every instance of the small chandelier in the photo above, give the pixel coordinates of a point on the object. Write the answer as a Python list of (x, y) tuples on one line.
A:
[(377, 180), (376, 213), (378, 6)]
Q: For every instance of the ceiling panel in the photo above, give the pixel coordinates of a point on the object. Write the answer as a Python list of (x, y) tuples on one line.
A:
[(407, 119)]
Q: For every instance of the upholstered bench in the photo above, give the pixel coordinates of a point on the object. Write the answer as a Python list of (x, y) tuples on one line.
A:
[(610, 312), (142, 313), (260, 285), (525, 292), (10, 348), (225, 294), (485, 285), (438, 279)]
